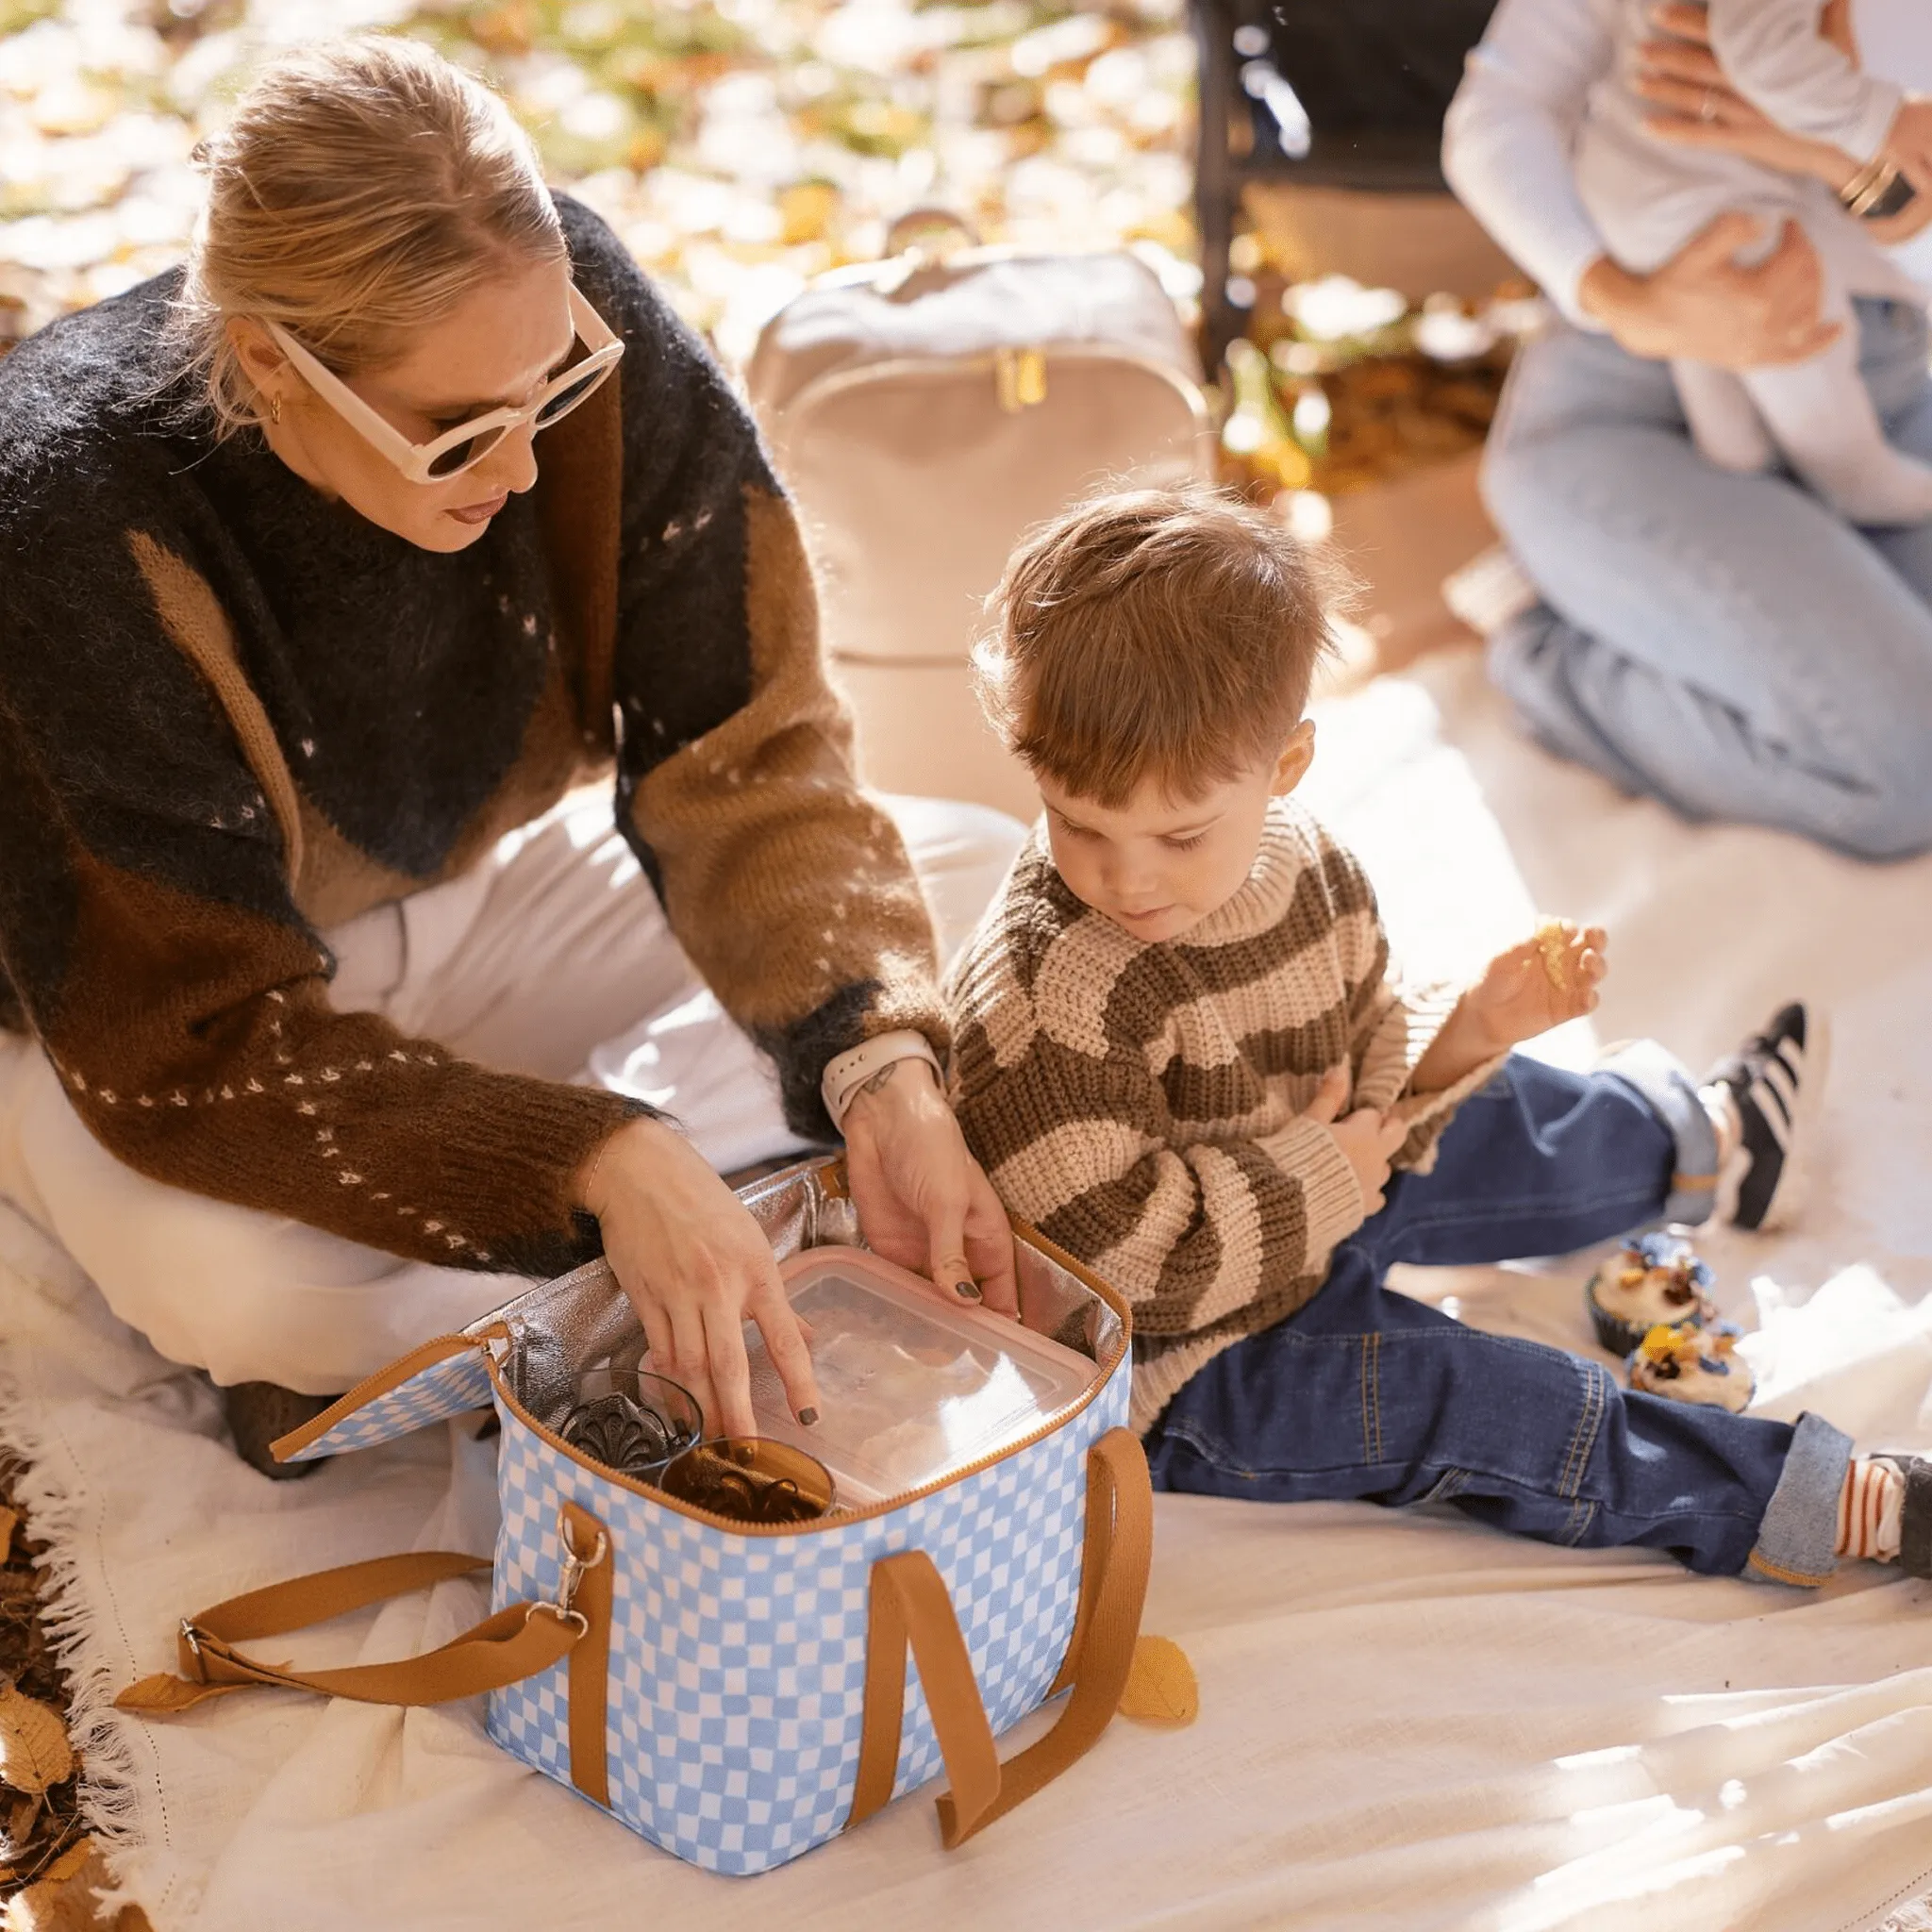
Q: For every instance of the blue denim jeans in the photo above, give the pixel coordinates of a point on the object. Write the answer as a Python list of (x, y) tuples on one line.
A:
[(1724, 643), (1367, 1394)]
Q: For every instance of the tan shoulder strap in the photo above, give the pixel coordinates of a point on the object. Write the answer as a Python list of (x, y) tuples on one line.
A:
[(909, 1605), (516, 1642)]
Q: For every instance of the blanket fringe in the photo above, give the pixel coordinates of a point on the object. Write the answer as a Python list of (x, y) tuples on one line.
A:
[(1916, 1917), (102, 1737)]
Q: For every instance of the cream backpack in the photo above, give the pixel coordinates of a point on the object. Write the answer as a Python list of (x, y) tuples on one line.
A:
[(927, 409)]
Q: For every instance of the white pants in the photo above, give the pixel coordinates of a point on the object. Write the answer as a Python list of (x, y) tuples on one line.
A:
[(551, 959)]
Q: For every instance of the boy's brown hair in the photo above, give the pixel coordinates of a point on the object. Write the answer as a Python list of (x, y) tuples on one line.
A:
[(1163, 634)]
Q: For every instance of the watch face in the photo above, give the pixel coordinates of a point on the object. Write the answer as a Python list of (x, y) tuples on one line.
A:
[(1898, 196)]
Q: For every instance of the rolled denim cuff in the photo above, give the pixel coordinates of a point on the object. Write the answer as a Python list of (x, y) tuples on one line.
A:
[(1665, 1082), (1797, 1541)]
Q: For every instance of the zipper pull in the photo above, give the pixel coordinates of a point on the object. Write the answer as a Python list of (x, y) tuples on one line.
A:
[(1020, 376)]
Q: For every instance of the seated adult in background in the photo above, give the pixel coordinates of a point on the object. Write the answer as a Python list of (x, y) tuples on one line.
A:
[(1724, 642), (321, 596)]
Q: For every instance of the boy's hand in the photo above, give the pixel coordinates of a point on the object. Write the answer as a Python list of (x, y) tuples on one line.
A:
[(1369, 1137), (1527, 989)]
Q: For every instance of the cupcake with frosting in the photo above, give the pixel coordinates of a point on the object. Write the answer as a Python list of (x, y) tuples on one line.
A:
[(1690, 1361), (1653, 1279)]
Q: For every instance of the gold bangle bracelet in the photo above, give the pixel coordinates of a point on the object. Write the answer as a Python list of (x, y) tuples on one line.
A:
[(1868, 186), (1862, 179), (1871, 197)]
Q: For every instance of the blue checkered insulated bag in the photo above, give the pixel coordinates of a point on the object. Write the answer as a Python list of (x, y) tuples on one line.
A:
[(736, 1693)]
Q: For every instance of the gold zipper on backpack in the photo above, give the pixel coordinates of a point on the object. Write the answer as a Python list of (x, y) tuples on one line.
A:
[(1020, 378)]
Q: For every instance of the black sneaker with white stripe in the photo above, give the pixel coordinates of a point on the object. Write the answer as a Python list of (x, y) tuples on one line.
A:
[(1915, 1518), (1776, 1079)]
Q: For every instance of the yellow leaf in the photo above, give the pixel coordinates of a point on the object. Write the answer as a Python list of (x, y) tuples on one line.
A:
[(1160, 1684), (62, 1899), (70, 1861), (34, 1751), (806, 209), (10, 1521)]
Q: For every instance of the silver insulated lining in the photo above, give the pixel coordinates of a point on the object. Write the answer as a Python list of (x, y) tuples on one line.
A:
[(581, 1319)]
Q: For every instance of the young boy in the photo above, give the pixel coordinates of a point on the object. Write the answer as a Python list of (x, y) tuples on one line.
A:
[(1181, 1053)]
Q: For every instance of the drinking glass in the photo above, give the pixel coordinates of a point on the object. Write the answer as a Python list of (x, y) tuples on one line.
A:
[(632, 1422), (751, 1480)]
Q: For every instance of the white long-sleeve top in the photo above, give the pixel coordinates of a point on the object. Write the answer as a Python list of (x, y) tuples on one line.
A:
[(1510, 133), (1509, 137)]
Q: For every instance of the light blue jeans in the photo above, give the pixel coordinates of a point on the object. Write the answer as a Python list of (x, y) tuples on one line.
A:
[(1724, 643)]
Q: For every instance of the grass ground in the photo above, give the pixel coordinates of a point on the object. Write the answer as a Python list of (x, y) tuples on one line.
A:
[(740, 146)]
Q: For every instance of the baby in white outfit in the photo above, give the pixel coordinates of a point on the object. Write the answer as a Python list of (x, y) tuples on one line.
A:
[(1649, 198)]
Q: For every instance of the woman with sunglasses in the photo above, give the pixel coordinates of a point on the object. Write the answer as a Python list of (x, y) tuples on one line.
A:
[(331, 568)]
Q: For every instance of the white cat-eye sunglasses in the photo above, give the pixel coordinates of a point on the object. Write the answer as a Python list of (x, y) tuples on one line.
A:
[(466, 445)]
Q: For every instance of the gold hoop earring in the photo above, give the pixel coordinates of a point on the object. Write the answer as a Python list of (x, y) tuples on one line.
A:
[(275, 409)]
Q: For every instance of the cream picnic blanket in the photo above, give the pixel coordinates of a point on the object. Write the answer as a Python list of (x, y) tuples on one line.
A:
[(1407, 1722)]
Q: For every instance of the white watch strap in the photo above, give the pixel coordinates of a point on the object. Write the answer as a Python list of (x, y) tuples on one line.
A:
[(845, 1075)]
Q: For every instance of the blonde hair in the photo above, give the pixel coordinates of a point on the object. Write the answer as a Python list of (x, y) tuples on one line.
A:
[(362, 188), (1163, 634)]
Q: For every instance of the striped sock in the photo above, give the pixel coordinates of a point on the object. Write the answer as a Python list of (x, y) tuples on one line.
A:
[(1869, 1507)]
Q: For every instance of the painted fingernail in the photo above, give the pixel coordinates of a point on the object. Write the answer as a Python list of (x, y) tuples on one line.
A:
[(966, 1290), (807, 1418)]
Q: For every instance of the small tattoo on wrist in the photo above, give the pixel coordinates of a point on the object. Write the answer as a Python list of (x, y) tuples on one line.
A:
[(876, 1083)]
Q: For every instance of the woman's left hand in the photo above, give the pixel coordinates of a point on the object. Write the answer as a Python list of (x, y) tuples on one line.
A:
[(922, 1200), (1697, 106)]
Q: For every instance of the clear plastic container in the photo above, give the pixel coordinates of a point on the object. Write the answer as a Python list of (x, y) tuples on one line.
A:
[(911, 1387)]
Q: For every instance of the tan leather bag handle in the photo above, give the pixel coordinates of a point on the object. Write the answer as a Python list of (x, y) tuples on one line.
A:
[(909, 1605), (515, 1643), (930, 219)]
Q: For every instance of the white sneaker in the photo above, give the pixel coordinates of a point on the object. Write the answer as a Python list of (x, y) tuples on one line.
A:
[(1488, 591)]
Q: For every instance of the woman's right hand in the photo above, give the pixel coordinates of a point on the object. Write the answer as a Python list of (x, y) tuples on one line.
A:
[(1702, 307), (695, 1266)]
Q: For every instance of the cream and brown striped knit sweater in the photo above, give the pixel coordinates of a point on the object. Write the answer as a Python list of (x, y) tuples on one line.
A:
[(1141, 1104)]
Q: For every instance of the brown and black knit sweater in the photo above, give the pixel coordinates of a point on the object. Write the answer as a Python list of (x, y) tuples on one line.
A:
[(233, 713), (1141, 1104)]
